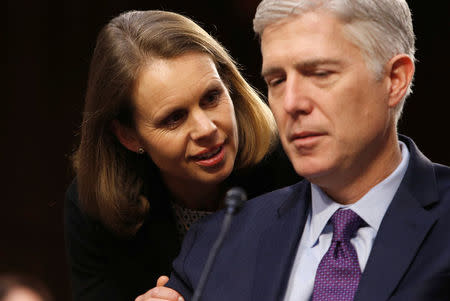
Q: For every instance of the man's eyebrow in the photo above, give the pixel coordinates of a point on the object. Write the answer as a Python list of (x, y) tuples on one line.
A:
[(308, 64), (269, 71), (316, 62)]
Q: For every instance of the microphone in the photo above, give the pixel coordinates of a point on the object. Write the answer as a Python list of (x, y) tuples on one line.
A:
[(234, 200)]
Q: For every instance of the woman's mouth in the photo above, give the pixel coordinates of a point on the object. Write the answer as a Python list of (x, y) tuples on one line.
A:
[(211, 157)]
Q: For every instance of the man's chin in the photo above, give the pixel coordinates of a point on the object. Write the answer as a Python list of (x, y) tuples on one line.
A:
[(311, 173)]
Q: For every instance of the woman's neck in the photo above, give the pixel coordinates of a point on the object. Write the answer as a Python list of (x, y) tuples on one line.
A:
[(197, 197)]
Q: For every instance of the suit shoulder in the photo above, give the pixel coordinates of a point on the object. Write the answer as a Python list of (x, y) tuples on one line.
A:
[(442, 173), (260, 210)]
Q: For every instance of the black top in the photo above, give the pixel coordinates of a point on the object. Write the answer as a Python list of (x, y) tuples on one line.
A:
[(105, 267)]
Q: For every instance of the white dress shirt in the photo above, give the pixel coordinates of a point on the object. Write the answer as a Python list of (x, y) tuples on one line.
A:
[(317, 234)]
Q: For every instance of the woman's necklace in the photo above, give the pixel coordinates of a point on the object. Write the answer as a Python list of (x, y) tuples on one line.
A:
[(185, 217)]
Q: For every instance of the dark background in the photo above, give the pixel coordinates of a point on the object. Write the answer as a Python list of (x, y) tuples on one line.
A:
[(49, 45)]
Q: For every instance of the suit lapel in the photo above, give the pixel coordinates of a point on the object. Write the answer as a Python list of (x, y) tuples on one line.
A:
[(402, 231), (400, 235), (278, 246)]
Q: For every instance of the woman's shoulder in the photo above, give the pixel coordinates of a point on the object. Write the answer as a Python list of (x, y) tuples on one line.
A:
[(76, 221), (80, 227), (72, 204), (72, 191)]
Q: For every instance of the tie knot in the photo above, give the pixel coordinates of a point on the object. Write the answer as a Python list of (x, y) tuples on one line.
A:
[(345, 224)]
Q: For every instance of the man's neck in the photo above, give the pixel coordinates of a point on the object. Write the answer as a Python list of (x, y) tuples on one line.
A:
[(352, 185)]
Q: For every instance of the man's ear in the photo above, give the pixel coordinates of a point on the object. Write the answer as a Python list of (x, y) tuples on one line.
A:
[(400, 71), (126, 136)]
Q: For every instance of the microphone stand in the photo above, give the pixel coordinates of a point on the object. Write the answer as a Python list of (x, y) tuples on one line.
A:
[(234, 199)]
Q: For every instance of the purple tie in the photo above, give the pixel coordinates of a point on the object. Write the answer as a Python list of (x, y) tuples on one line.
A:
[(338, 273)]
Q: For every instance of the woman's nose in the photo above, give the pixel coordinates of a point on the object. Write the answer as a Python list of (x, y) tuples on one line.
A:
[(203, 126)]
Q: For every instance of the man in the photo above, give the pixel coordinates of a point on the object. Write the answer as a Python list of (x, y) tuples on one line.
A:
[(372, 219)]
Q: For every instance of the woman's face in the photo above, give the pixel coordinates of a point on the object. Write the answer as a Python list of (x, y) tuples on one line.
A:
[(185, 120)]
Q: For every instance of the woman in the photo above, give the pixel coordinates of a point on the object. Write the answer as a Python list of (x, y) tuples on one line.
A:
[(169, 125)]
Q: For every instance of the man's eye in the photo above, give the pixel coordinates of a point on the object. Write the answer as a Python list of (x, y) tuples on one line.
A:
[(323, 73), (274, 82), (320, 73)]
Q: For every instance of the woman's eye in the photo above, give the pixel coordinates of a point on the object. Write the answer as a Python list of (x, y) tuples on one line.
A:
[(211, 98), (174, 119)]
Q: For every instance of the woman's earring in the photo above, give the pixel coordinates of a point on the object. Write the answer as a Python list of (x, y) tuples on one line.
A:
[(141, 150)]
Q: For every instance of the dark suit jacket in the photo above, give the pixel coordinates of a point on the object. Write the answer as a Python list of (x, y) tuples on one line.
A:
[(410, 258)]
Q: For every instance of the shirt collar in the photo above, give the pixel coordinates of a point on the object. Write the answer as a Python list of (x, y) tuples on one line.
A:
[(371, 207)]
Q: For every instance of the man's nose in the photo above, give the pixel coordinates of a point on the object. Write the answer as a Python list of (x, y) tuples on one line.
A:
[(297, 99), (202, 125)]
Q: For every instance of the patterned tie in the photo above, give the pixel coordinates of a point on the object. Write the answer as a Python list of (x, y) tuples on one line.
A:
[(338, 273)]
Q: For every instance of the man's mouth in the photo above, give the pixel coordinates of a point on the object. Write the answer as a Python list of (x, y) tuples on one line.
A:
[(304, 135)]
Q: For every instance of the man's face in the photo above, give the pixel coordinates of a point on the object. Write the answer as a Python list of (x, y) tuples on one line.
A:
[(332, 113)]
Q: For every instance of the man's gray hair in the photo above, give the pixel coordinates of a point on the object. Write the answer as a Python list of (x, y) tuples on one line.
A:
[(380, 28)]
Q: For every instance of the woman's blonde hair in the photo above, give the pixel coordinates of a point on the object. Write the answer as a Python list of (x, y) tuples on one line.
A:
[(110, 178)]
